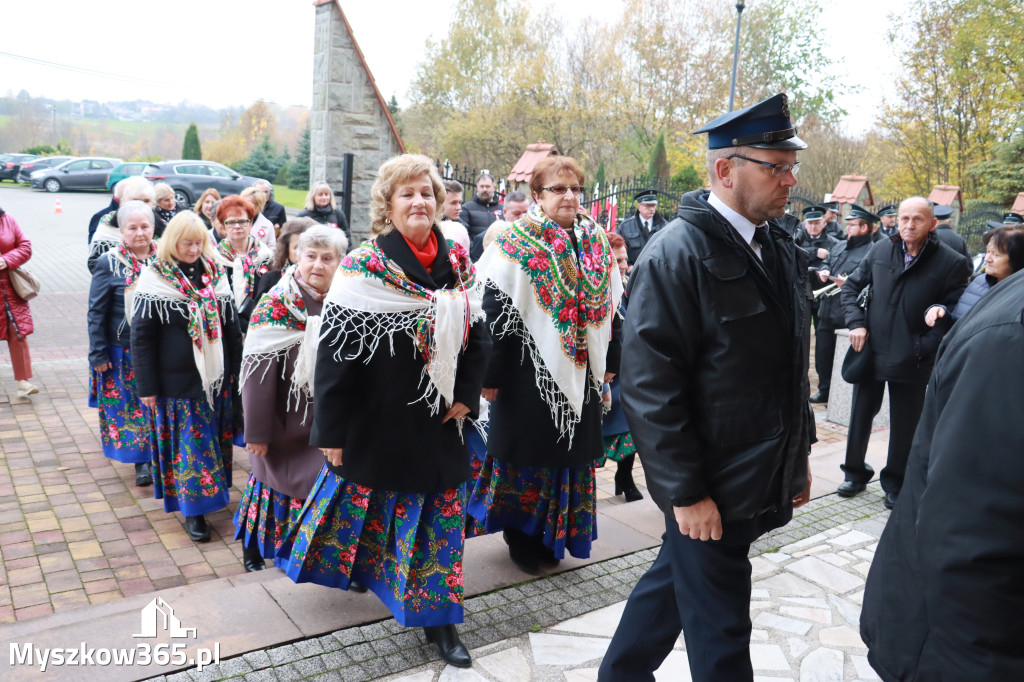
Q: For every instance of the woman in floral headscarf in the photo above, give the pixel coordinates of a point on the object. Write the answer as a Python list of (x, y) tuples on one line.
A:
[(399, 367), (186, 346), (124, 427), (552, 291), (277, 389)]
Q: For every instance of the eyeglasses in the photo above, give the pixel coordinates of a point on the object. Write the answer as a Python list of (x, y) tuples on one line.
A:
[(777, 168), (562, 189), (236, 223)]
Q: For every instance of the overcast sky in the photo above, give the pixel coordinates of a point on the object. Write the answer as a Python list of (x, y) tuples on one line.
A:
[(228, 52)]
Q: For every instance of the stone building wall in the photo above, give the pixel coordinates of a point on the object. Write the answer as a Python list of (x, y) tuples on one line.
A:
[(348, 115)]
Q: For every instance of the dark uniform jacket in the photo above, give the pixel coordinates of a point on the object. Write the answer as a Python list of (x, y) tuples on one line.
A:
[(842, 260), (107, 324), (632, 230), (373, 409), (810, 246), (477, 216), (945, 592), (162, 351), (835, 230), (904, 346), (714, 371), (275, 213), (948, 236)]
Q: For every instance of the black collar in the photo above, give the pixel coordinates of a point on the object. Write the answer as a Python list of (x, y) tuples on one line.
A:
[(394, 246)]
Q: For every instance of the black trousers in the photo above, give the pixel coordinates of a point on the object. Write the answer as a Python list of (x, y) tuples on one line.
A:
[(906, 400), (824, 354), (701, 589)]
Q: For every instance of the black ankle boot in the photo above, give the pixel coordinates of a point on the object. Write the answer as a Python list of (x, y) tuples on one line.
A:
[(356, 586), (451, 648), (624, 484), (143, 474), (197, 529), (521, 551), (545, 555), (252, 559)]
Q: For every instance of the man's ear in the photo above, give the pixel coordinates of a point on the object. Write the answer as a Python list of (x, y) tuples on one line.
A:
[(724, 169)]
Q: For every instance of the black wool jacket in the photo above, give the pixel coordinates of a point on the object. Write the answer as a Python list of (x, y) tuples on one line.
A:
[(903, 345), (477, 215), (331, 217), (371, 408), (162, 352), (631, 229), (107, 324), (842, 260), (714, 366)]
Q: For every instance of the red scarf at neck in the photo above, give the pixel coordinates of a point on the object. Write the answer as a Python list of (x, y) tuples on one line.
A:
[(427, 254)]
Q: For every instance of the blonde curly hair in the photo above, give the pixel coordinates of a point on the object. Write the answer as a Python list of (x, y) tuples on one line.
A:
[(396, 172)]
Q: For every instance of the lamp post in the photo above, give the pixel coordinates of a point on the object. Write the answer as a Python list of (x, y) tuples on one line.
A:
[(736, 52)]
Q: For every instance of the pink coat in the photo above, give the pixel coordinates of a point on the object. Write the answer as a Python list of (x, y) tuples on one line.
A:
[(16, 250)]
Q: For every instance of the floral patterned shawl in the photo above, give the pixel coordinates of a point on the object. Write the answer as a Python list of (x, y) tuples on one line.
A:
[(244, 266), (560, 301), (124, 263)]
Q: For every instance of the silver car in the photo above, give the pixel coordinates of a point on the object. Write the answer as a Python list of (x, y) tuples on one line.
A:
[(89, 172)]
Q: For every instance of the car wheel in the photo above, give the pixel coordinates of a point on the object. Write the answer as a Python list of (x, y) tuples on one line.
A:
[(52, 185), (182, 198)]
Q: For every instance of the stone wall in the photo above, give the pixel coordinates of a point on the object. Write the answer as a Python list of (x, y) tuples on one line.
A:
[(348, 115)]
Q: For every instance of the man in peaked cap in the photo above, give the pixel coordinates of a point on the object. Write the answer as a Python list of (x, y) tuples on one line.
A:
[(832, 227), (638, 228), (944, 231), (714, 385), (816, 243), (887, 223)]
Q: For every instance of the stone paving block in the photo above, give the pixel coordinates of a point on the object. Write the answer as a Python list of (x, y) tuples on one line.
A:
[(361, 652), (336, 660), (284, 654)]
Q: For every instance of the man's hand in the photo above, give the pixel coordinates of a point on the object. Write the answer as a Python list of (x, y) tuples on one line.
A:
[(822, 254), (258, 449), (700, 521), (858, 337), (934, 314), (804, 497), (456, 411), (608, 376), (489, 394), (333, 455), (823, 275)]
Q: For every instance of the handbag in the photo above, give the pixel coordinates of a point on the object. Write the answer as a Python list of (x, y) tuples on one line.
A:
[(24, 283), (860, 367)]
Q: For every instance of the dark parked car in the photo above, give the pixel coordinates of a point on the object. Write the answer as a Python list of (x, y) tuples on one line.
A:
[(10, 164), (30, 167), (89, 172), (189, 179), (125, 170)]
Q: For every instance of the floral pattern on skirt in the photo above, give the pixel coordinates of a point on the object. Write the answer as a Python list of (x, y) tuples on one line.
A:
[(617, 448), (405, 547), (559, 504), (264, 517), (477, 446), (192, 469), (124, 427)]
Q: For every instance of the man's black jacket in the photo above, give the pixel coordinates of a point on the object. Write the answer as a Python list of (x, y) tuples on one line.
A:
[(632, 230), (714, 366), (904, 346)]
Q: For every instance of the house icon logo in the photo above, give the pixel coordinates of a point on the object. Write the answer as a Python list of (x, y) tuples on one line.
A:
[(158, 615)]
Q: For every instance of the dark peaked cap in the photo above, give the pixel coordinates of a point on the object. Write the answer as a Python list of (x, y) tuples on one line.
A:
[(765, 125), (860, 213)]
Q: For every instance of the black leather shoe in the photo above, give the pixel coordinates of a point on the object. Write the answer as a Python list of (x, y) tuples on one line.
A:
[(451, 648), (356, 586), (544, 554), (252, 559), (143, 474), (197, 529), (521, 552), (890, 500), (819, 397), (851, 488)]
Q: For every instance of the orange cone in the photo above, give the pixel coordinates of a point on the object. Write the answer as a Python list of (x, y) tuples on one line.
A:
[(57, 208)]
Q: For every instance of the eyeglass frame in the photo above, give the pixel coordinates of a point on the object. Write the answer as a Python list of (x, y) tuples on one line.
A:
[(237, 222), (778, 169), (565, 188)]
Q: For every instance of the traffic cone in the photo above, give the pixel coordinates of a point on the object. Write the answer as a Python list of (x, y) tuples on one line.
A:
[(57, 208)]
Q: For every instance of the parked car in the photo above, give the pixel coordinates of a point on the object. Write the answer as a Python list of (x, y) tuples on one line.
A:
[(88, 172), (189, 179), (125, 170), (30, 167), (10, 164)]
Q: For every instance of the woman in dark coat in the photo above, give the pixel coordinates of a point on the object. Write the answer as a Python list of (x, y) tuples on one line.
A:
[(277, 375), (15, 251), (286, 253), (321, 207), (186, 347), (552, 290), (244, 258), (399, 368), (124, 426)]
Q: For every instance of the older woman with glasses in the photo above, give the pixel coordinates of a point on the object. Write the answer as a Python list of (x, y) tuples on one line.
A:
[(245, 258), (552, 291)]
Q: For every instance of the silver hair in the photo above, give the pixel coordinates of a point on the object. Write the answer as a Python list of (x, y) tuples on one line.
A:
[(131, 209), (260, 183), (515, 196), (136, 187), (323, 237)]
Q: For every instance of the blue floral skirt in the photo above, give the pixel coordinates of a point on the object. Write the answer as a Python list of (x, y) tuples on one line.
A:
[(192, 469), (558, 504), (264, 517), (617, 448), (124, 426), (405, 547)]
